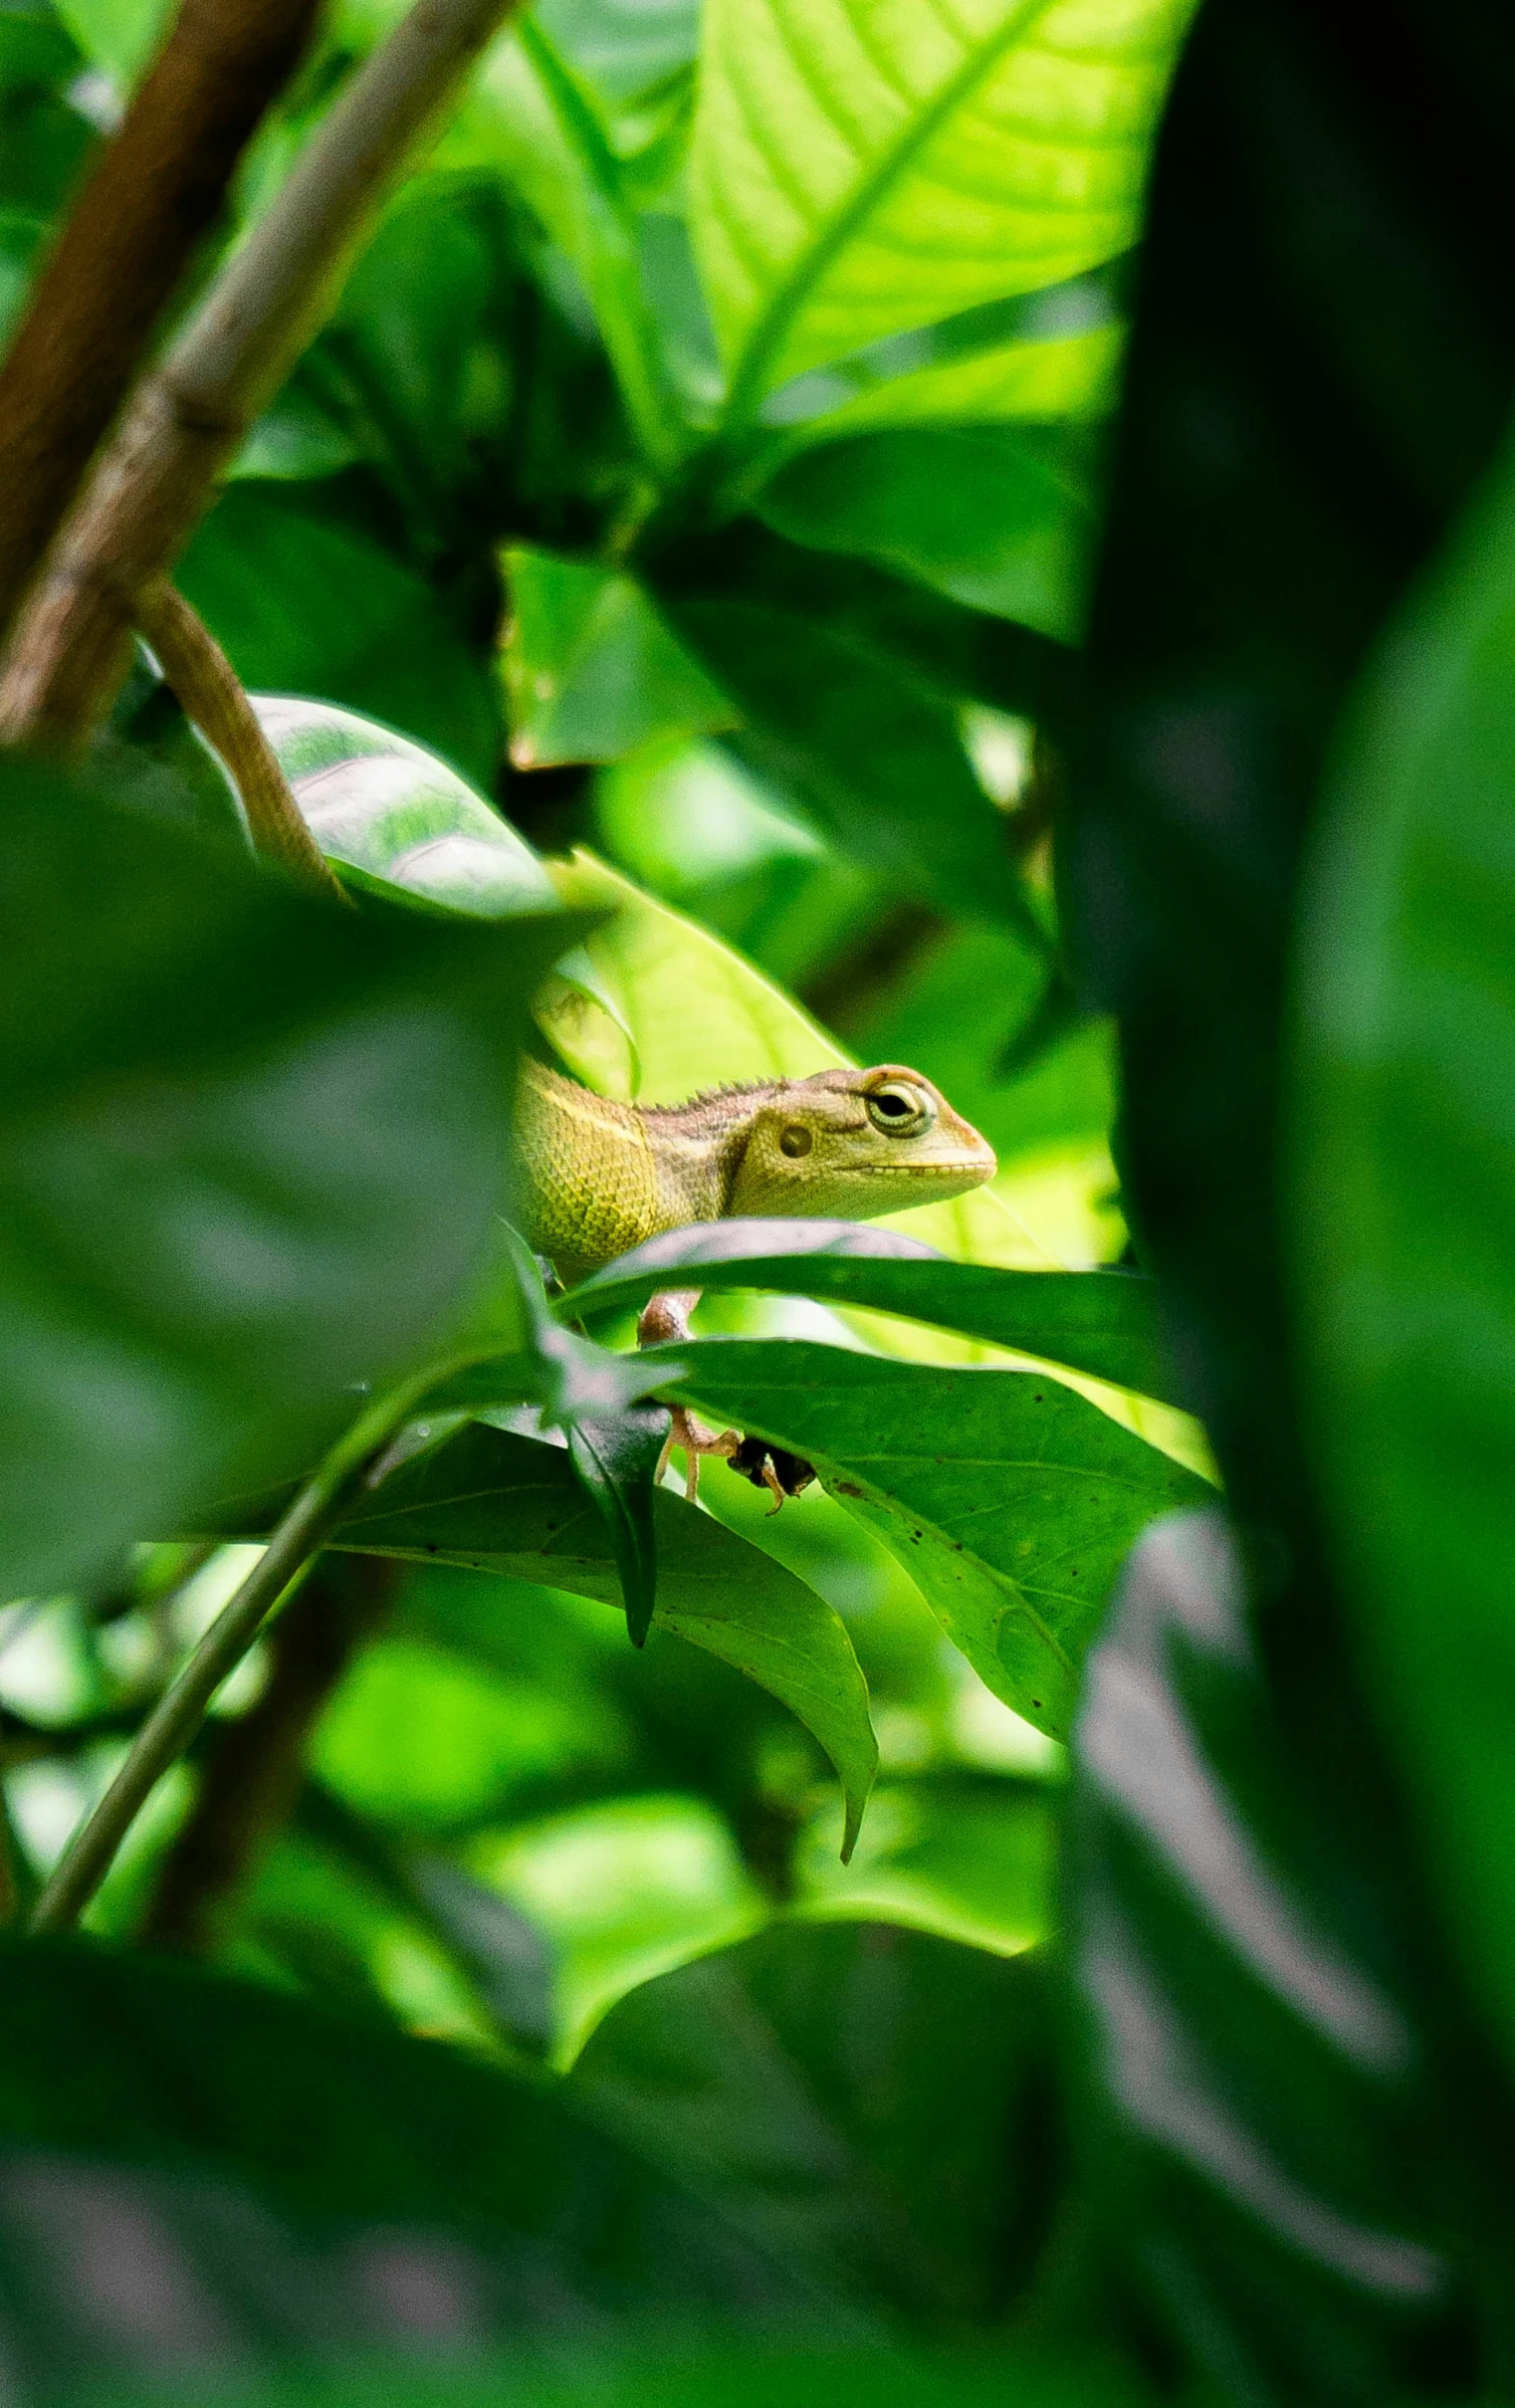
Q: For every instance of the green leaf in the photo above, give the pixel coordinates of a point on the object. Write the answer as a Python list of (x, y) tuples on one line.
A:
[(1104, 1323), (1070, 377), (974, 1861), (800, 2077), (299, 2176), (1011, 1500), (118, 35), (396, 815), (590, 670), (617, 1459), (249, 1151), (1405, 1103), (999, 517), (533, 120), (498, 1502), (304, 602), (850, 686), (854, 177)]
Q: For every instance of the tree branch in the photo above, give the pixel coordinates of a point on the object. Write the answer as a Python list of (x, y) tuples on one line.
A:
[(155, 194), (212, 696), (154, 482), (250, 1785)]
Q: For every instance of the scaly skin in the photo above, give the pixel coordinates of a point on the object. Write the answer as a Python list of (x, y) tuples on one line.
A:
[(846, 1145)]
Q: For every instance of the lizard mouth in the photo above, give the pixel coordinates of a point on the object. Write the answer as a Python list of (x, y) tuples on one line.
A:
[(924, 1170)]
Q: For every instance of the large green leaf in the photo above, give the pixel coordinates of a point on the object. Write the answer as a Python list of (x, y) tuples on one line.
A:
[(296, 2187), (1010, 1499), (1407, 1097), (855, 174), (802, 2077), (1101, 1322), (498, 1502), (249, 1153)]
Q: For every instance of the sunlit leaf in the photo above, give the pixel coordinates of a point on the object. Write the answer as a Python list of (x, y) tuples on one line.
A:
[(855, 173)]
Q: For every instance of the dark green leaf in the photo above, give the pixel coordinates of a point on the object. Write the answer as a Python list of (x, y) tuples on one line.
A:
[(1000, 517), (1011, 1500), (617, 1459), (305, 602), (249, 1151), (1407, 1093), (296, 2181), (1102, 1322), (498, 1502), (801, 2078)]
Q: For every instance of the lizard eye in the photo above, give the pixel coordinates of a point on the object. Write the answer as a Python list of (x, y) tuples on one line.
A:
[(900, 1110)]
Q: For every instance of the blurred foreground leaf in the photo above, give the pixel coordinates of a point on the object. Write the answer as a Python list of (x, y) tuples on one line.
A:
[(1406, 1099), (802, 2074), (249, 1153), (294, 2186), (1268, 2151)]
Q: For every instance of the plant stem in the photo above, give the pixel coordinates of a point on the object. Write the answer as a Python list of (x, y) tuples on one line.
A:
[(212, 695), (249, 1788), (155, 479), (155, 192), (177, 1716)]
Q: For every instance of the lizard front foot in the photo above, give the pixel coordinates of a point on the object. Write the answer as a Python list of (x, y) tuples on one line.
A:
[(694, 1440)]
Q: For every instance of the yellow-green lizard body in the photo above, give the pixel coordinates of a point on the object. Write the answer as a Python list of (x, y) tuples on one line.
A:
[(598, 1176)]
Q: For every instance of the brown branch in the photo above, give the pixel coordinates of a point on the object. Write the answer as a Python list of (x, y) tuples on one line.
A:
[(251, 1783), (156, 191), (156, 481), (211, 694)]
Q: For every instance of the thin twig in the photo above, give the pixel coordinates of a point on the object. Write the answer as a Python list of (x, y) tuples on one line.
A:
[(177, 1716), (155, 192), (212, 695), (155, 479)]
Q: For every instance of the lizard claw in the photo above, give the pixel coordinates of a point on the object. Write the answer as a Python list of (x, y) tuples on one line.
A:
[(694, 1440)]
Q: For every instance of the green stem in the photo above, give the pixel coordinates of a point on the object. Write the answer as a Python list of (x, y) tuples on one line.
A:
[(177, 1716)]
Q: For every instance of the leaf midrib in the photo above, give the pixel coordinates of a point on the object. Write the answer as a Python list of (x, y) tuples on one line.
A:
[(747, 389)]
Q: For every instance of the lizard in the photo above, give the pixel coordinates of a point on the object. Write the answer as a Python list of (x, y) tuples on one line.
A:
[(598, 1176)]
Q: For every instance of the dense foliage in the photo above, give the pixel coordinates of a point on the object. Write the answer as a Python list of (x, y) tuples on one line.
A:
[(791, 543)]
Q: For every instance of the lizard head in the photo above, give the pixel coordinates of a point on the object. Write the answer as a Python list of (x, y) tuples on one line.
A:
[(856, 1143)]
